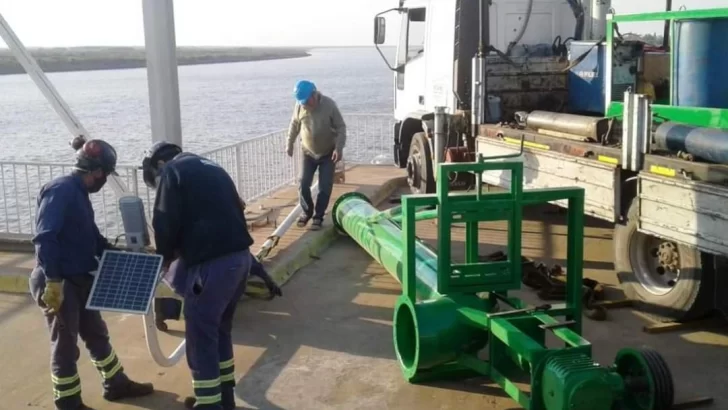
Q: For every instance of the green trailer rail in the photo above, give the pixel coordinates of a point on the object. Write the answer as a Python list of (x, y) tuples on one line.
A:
[(448, 313)]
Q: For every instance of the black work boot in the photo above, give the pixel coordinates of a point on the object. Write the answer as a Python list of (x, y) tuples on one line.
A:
[(190, 404), (80, 407), (128, 390)]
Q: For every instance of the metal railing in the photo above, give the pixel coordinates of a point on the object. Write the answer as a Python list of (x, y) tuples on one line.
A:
[(259, 166)]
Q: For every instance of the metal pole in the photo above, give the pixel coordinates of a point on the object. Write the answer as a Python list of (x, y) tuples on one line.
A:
[(41, 81), (666, 30), (478, 94), (161, 49), (74, 126), (440, 135)]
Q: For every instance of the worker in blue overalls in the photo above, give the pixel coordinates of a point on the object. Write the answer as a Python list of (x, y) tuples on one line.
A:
[(67, 242), (197, 218), (167, 308)]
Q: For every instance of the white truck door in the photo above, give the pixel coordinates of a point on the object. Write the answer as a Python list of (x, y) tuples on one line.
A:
[(410, 82)]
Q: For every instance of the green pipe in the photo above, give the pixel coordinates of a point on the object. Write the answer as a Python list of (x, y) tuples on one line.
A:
[(352, 214), (395, 214), (419, 216), (427, 334)]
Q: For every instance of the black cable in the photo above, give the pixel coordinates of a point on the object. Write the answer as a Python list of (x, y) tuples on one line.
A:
[(116, 240)]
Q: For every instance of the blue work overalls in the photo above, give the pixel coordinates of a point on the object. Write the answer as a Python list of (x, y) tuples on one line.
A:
[(67, 242), (211, 292)]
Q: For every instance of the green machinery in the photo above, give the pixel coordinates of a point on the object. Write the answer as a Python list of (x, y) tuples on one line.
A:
[(696, 116), (450, 314)]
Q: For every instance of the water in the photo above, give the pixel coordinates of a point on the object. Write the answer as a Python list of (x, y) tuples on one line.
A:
[(220, 103)]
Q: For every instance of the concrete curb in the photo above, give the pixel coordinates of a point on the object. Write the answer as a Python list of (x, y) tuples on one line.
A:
[(14, 284), (302, 254), (309, 251)]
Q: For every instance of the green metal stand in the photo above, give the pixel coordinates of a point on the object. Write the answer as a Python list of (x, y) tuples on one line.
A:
[(449, 313)]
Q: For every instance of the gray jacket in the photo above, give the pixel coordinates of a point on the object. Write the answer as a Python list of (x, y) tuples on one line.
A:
[(322, 129)]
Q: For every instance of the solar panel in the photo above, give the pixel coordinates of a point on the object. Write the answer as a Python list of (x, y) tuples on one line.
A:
[(125, 282)]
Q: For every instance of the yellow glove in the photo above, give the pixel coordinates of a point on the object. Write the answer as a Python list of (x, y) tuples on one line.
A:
[(53, 296)]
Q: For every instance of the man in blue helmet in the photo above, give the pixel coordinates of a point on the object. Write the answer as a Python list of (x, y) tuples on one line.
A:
[(67, 243), (199, 222), (323, 137)]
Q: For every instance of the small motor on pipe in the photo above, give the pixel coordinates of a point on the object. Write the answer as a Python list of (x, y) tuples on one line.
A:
[(709, 144)]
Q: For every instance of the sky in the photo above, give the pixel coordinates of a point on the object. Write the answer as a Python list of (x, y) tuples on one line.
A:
[(68, 23)]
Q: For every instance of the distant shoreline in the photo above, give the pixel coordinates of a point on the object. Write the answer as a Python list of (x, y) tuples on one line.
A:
[(54, 60)]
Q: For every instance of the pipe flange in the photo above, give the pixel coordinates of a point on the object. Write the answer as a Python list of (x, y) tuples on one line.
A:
[(339, 201)]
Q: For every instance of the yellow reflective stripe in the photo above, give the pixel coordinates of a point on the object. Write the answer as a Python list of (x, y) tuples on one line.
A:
[(205, 384), (227, 378), (64, 380), (208, 399), (111, 373), (59, 394), (227, 363), (105, 362)]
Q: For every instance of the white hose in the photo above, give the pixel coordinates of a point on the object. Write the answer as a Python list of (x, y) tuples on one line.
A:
[(281, 230), (150, 333), (522, 31)]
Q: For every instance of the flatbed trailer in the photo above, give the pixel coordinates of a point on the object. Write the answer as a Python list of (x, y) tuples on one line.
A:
[(670, 217), (589, 110)]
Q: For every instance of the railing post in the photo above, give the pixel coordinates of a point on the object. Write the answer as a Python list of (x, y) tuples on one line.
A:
[(238, 167), (134, 182)]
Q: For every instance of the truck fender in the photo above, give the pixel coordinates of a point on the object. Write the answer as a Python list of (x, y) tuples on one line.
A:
[(410, 126)]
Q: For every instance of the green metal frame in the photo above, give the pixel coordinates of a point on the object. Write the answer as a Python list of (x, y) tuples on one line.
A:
[(509, 340), (449, 312), (698, 116)]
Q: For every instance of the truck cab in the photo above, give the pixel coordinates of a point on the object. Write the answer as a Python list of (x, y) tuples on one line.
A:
[(521, 43)]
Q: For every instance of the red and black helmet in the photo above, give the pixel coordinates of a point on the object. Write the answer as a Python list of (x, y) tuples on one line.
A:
[(95, 154)]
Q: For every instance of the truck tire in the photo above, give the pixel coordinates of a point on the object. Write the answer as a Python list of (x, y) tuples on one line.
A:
[(668, 281), (419, 166)]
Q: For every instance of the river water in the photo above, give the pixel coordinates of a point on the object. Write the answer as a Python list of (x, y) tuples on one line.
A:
[(220, 103)]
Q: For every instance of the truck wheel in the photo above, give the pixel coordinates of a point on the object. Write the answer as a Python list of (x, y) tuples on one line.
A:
[(419, 166), (669, 281)]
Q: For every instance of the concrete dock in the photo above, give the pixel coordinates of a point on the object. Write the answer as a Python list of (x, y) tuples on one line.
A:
[(327, 344)]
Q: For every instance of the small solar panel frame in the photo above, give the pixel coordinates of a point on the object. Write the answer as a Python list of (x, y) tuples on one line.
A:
[(100, 277)]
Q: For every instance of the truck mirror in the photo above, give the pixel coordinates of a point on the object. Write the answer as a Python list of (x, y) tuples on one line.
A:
[(380, 31)]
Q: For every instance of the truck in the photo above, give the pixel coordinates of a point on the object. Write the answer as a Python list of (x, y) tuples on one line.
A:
[(642, 128)]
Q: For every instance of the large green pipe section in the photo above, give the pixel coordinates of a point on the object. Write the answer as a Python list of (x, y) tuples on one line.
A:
[(420, 344), (354, 215)]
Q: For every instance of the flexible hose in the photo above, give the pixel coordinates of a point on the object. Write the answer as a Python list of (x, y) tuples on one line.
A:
[(273, 239), (150, 333), (520, 34)]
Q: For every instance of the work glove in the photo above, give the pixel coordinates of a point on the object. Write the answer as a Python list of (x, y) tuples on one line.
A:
[(53, 296), (289, 151), (274, 290)]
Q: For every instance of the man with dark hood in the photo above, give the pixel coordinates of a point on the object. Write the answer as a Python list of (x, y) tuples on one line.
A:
[(199, 222)]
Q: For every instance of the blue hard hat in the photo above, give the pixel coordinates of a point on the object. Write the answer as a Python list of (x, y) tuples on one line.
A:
[(303, 91)]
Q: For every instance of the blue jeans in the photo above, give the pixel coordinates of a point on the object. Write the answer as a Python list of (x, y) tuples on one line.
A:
[(326, 170)]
